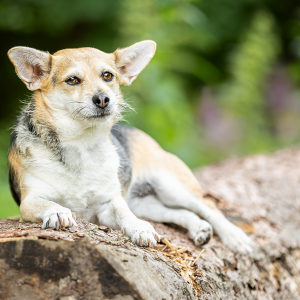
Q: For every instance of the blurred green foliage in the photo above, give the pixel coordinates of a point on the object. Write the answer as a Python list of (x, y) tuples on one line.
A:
[(224, 80)]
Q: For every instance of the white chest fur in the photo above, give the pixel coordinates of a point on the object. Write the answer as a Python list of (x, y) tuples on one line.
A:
[(83, 180)]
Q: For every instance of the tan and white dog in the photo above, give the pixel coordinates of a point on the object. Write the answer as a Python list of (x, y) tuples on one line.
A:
[(66, 154)]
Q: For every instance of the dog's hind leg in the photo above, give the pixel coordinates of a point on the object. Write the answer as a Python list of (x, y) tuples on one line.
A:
[(184, 192), (151, 208), (175, 186)]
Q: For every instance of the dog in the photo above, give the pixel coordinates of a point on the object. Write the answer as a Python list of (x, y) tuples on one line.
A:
[(68, 156)]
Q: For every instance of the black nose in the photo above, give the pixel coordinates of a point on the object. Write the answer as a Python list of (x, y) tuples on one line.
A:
[(101, 100)]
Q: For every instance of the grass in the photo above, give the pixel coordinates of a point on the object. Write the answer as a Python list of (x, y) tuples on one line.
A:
[(8, 206)]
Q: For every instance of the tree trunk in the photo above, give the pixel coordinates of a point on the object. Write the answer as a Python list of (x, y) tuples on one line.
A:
[(92, 262)]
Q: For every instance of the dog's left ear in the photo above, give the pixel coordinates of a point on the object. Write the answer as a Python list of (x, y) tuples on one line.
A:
[(132, 60), (32, 65)]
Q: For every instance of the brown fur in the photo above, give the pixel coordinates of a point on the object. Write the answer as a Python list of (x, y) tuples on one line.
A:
[(42, 112), (146, 154), (17, 173)]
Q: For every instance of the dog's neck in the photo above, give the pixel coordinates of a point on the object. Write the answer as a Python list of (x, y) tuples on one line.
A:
[(58, 130)]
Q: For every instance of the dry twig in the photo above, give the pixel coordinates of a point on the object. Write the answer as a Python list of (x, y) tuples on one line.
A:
[(192, 264), (172, 247)]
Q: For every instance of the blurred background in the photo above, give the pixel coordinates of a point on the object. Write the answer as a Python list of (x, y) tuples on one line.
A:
[(224, 82)]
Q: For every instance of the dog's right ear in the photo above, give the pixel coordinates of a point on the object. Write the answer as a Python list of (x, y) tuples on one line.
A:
[(32, 66)]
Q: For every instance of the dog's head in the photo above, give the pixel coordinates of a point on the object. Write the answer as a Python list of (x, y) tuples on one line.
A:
[(81, 83)]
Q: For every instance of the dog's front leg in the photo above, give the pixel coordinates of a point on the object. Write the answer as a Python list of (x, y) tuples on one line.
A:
[(116, 214), (35, 209)]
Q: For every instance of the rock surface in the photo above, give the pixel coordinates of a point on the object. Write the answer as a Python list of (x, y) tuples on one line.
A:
[(265, 190), (92, 262)]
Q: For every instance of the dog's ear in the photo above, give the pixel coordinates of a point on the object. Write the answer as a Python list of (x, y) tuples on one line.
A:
[(132, 60), (32, 65)]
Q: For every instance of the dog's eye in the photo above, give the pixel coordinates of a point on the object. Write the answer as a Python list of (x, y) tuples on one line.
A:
[(107, 76), (73, 80)]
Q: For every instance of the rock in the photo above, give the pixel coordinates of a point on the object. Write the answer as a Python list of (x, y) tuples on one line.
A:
[(259, 193), (48, 264), (265, 191)]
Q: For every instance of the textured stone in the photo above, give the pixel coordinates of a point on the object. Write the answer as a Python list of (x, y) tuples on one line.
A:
[(91, 262), (41, 269)]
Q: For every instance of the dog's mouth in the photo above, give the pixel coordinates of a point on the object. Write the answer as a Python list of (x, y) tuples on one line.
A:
[(99, 114), (88, 113)]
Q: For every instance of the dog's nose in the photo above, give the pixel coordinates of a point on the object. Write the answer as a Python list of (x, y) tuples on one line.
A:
[(101, 100)]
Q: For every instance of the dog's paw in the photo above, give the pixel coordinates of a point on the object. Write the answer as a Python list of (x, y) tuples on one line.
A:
[(235, 239), (58, 217), (202, 234), (141, 233)]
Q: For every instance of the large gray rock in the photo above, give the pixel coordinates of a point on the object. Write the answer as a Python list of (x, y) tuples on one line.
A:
[(34, 268), (91, 262)]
